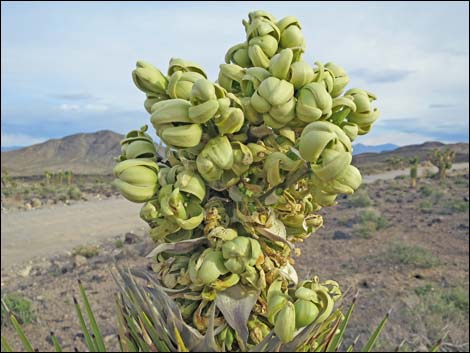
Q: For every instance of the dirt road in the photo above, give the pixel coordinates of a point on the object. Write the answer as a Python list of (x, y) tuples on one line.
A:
[(45, 232)]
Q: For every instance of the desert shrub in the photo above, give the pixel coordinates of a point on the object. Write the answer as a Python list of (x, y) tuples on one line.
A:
[(454, 206), (74, 192), (412, 255), (370, 221), (440, 306), (20, 306), (425, 206), (426, 190), (360, 199), (118, 243), (87, 251)]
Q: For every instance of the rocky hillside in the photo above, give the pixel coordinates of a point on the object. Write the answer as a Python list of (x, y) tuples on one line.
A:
[(90, 153)]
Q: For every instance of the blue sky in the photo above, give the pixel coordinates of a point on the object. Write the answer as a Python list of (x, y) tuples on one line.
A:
[(66, 67)]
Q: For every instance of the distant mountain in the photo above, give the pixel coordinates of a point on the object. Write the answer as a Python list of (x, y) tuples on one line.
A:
[(90, 153), (360, 148), (11, 148)]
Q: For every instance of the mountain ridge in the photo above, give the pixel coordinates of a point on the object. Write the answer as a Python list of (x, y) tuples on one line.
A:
[(94, 153)]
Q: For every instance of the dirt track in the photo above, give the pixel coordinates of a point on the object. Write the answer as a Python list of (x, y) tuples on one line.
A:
[(45, 232)]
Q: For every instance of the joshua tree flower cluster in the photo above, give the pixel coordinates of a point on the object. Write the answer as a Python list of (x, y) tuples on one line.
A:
[(249, 161)]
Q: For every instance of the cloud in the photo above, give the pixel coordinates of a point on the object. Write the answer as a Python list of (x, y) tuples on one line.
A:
[(382, 76), (73, 96), (14, 139), (69, 107), (440, 106), (396, 137), (96, 107), (66, 107)]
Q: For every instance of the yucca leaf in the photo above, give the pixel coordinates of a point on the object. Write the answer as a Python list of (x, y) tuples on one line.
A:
[(373, 338), (437, 345), (5, 345), (96, 331), (336, 342), (56, 343), (351, 347), (24, 340), (331, 334), (236, 304), (88, 341), (179, 341)]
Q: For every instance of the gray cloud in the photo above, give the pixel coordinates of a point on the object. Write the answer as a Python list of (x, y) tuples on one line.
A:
[(383, 76), (440, 106), (73, 96)]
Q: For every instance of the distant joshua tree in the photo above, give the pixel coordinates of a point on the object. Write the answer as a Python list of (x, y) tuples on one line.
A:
[(443, 161), (48, 176), (414, 162), (69, 176)]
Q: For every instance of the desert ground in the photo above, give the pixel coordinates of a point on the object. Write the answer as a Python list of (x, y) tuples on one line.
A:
[(401, 249)]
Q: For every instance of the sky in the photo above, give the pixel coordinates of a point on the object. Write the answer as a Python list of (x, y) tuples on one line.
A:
[(66, 67)]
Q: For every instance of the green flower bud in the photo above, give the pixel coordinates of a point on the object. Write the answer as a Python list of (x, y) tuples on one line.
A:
[(206, 268), (172, 205), (230, 121), (240, 253), (251, 115), (149, 212), (170, 111), (238, 55), (190, 182), (138, 144), (149, 79), (275, 99), (285, 323), (351, 130), (305, 313), (136, 179), (252, 79), (230, 77), (280, 63), (202, 91), (152, 99), (262, 26), (319, 135), (300, 74), (364, 116), (291, 35), (181, 83), (216, 157), (183, 136), (242, 158), (177, 64), (345, 182), (341, 79), (324, 77), (313, 103), (260, 14)]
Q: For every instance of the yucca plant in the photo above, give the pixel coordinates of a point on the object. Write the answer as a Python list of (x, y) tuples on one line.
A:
[(249, 161), (443, 161), (414, 162)]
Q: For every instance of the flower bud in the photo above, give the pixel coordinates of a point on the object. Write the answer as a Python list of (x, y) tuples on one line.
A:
[(291, 35), (238, 55), (341, 79), (313, 103), (364, 116), (177, 64), (149, 79), (230, 77), (279, 65), (252, 79), (181, 83), (207, 268), (275, 99), (230, 121), (136, 179), (138, 144), (216, 157)]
